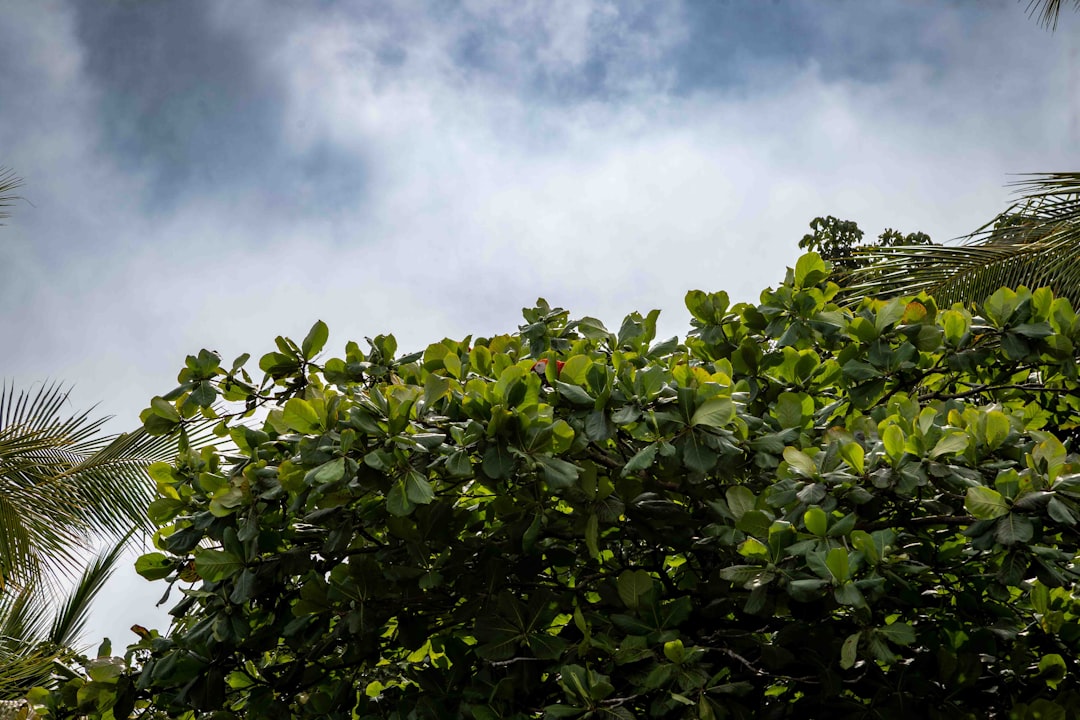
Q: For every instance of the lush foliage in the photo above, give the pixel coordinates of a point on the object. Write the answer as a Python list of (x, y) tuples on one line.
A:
[(799, 511)]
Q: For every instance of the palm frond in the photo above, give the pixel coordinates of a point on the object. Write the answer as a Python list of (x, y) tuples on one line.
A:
[(1048, 11), (62, 482), (39, 632), (1035, 243), (70, 618), (9, 183)]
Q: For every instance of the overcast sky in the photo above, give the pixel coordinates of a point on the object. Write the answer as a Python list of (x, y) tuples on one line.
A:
[(213, 174)]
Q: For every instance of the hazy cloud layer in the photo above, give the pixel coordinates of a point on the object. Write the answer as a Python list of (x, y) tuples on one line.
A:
[(212, 174)]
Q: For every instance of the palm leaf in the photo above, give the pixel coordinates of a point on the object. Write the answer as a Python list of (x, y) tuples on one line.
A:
[(1035, 243), (34, 642), (1048, 11), (63, 483), (9, 183)]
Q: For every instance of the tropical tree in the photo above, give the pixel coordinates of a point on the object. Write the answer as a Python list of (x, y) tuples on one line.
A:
[(842, 243), (65, 486), (799, 510), (1035, 243)]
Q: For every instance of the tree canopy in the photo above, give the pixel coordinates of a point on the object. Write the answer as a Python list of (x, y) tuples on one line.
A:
[(799, 510)]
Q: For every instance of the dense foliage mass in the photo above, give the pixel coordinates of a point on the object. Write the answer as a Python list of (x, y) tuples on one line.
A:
[(800, 511)]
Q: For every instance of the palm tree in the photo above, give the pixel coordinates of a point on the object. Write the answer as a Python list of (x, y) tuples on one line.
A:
[(35, 640), (64, 485), (1035, 242)]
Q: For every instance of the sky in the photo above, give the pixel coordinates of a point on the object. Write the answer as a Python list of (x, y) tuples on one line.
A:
[(203, 174)]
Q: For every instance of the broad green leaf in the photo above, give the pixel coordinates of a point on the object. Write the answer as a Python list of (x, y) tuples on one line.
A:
[(300, 416), (853, 455), (985, 503), (328, 472), (997, 428), (955, 324), (1060, 512), (216, 565), (837, 562), (1013, 528), (848, 651), (574, 393), (893, 440), (809, 270), (952, 442), (715, 412), (154, 566), (789, 410), (999, 306), (397, 500), (816, 521), (418, 489), (436, 387), (632, 586), (642, 459), (800, 461), (164, 409), (315, 340), (558, 474), (740, 500), (592, 535), (898, 633)]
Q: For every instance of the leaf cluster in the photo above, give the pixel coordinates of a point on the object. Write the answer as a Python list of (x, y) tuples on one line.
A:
[(799, 510)]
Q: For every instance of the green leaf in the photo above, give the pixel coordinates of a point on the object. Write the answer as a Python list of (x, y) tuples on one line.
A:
[(632, 586), (154, 566), (809, 270), (715, 412), (740, 500), (800, 461), (164, 409), (436, 387), (674, 651), (952, 442), (418, 489), (898, 633), (498, 463), (397, 500), (216, 565), (1013, 528), (315, 340), (328, 472), (574, 393), (592, 535), (997, 428), (558, 474), (642, 459), (789, 410), (837, 562), (893, 439), (300, 416), (955, 324), (1060, 512), (848, 651), (854, 455), (985, 503), (816, 521)]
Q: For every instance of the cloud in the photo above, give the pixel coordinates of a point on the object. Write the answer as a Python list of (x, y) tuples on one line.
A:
[(212, 175)]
